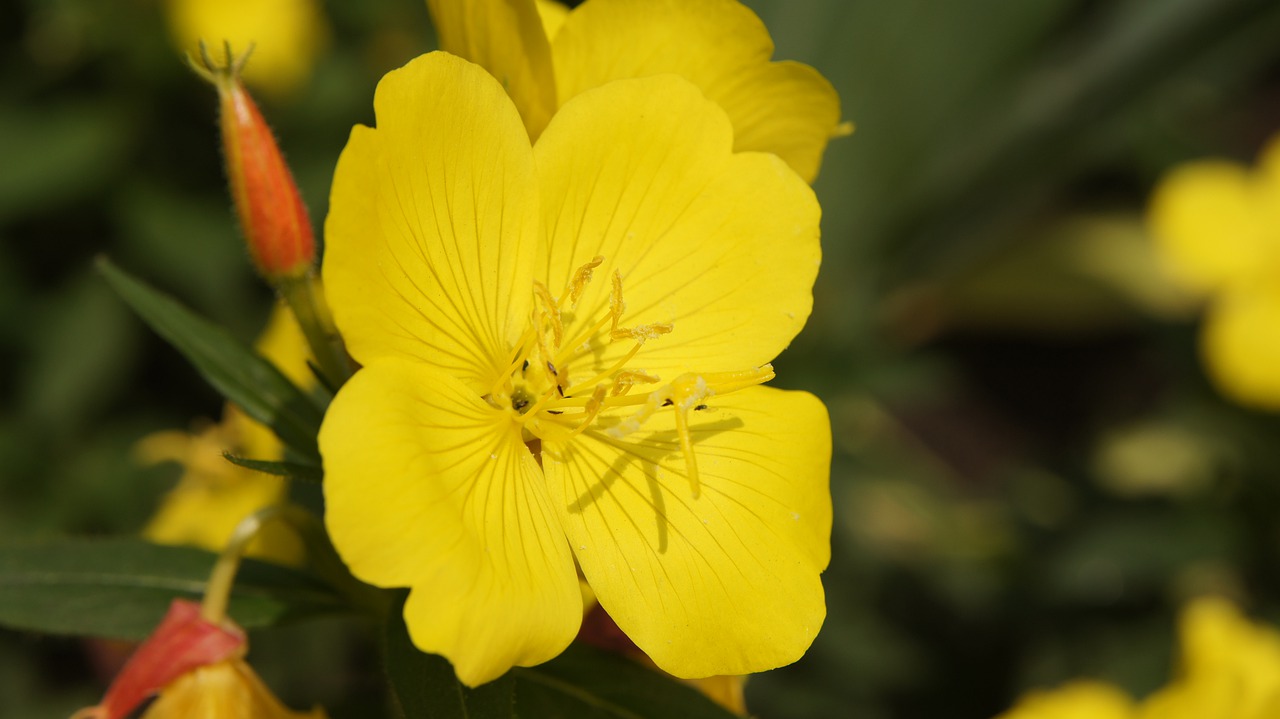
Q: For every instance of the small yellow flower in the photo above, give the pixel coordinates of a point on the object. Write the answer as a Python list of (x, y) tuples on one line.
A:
[(1084, 699), (1217, 225), (544, 55), (213, 495), (560, 348), (1229, 669), (287, 36), (226, 690)]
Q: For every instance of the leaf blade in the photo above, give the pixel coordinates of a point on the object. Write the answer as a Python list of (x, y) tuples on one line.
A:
[(236, 371), (120, 588)]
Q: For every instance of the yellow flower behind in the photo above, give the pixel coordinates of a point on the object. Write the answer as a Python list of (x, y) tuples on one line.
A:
[(561, 346), (1217, 225), (1082, 699), (545, 55), (213, 495), (1229, 669), (287, 36), (227, 690)]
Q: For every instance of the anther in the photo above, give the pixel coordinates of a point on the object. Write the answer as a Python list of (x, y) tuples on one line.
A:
[(581, 278)]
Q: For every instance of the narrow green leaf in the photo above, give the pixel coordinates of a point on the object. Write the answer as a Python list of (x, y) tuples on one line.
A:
[(424, 685), (587, 683), (582, 683), (120, 588), (235, 370), (292, 470)]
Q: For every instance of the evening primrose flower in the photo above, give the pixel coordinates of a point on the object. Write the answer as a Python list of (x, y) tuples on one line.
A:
[(287, 36), (545, 54), (561, 348), (1217, 225)]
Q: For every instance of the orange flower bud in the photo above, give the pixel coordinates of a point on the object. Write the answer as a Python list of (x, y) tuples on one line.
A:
[(183, 642), (272, 216)]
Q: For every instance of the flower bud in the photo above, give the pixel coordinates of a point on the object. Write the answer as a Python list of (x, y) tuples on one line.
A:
[(272, 216), (183, 642)]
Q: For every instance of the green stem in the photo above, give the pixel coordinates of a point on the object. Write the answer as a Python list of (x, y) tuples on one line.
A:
[(307, 302)]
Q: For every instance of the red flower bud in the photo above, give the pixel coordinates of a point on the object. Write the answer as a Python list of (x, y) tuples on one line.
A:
[(272, 216), (183, 642)]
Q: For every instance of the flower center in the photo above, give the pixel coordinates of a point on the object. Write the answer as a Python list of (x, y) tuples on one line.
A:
[(552, 403)]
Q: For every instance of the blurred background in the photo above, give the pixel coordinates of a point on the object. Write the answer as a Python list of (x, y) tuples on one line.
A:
[(1032, 468)]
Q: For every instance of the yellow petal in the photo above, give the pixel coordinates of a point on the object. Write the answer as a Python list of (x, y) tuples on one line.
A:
[(213, 495), (722, 246), (1241, 346), (553, 15), (1078, 700), (721, 46), (505, 37), (226, 690), (426, 486), (1206, 223), (433, 224), (723, 584)]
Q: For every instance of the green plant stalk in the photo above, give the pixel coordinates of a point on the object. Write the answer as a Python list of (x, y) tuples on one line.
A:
[(308, 305)]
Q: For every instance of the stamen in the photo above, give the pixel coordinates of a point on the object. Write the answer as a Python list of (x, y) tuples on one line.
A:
[(641, 333), (684, 395), (578, 283), (552, 310), (617, 366), (592, 409), (616, 304), (625, 380)]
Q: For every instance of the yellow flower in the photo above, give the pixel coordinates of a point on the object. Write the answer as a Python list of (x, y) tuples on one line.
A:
[(1217, 225), (226, 690), (213, 495), (287, 36), (1084, 699), (498, 435), (1230, 667), (786, 108)]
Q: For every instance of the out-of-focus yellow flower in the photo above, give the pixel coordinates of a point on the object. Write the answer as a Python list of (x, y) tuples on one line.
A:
[(1217, 225), (1082, 699), (545, 54), (226, 690), (213, 495), (196, 665), (287, 36), (1229, 669)]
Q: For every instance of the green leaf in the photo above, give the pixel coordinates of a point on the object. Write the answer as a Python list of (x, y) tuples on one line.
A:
[(424, 686), (292, 470), (588, 683), (120, 588), (582, 683), (235, 370)]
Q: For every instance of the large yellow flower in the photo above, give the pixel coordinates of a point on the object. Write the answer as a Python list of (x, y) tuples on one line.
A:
[(1217, 225), (560, 347), (545, 55)]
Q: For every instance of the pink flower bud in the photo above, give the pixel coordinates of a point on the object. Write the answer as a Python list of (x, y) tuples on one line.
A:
[(183, 642), (272, 216)]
